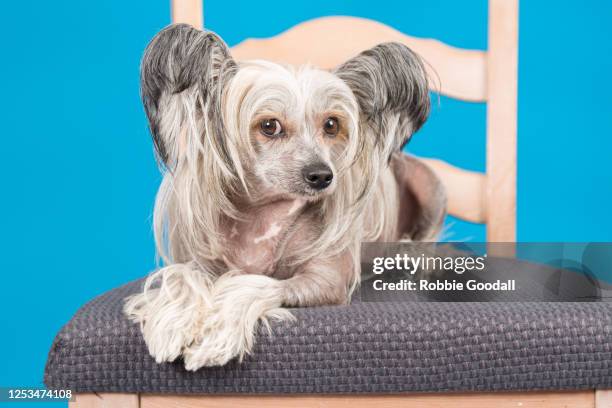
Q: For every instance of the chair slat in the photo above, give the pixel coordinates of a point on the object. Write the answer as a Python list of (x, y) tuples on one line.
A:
[(329, 41), (465, 190)]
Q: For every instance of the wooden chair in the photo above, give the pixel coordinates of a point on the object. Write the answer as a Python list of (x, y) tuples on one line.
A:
[(472, 75)]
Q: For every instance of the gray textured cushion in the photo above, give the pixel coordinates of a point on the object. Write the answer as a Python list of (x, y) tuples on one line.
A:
[(365, 347)]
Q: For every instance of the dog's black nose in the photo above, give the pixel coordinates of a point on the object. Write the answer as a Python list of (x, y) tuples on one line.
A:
[(318, 176)]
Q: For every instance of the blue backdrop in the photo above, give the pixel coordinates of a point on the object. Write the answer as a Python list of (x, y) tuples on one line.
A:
[(81, 178)]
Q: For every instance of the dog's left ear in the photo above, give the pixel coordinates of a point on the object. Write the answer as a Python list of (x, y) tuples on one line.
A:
[(182, 77), (391, 87)]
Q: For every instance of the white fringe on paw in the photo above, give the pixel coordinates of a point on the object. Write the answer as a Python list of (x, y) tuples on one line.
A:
[(171, 308), (228, 331)]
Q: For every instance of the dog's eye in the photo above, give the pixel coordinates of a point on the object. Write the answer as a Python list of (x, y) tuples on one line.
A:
[(331, 126), (271, 127)]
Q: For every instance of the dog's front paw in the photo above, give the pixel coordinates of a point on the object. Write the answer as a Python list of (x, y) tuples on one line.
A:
[(170, 316), (217, 345), (165, 334), (239, 303), (225, 337)]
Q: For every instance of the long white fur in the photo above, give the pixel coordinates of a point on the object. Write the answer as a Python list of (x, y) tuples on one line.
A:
[(240, 303), (195, 308), (171, 309)]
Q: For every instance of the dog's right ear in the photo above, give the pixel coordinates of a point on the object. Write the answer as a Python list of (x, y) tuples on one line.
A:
[(182, 76), (391, 87)]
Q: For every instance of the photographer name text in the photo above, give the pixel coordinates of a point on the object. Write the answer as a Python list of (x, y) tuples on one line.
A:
[(446, 285)]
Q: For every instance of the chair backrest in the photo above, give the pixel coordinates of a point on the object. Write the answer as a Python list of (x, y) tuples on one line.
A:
[(471, 75)]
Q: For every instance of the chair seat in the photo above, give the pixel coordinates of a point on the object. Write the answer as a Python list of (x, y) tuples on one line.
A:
[(377, 347)]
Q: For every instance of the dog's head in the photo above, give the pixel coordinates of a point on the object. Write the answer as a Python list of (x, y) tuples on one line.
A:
[(274, 130)]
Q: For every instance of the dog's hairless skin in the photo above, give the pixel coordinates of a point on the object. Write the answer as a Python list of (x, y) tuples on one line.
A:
[(273, 176)]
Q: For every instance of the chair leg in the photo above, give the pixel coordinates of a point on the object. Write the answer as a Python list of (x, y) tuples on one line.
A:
[(603, 398), (105, 400)]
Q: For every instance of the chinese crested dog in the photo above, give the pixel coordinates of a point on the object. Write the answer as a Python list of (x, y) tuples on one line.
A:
[(273, 176)]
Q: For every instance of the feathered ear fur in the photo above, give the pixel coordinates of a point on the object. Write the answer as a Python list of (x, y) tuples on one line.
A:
[(183, 74), (391, 87)]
